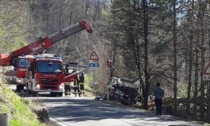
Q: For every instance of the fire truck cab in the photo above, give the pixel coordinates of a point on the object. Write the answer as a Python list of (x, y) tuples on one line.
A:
[(45, 74)]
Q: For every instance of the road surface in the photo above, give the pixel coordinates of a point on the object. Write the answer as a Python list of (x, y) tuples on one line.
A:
[(80, 111), (85, 111)]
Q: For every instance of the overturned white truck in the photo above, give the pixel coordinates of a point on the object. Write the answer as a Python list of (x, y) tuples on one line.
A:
[(124, 90)]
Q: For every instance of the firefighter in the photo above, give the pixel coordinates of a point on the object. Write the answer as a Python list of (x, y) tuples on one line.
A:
[(81, 82), (76, 86), (67, 68)]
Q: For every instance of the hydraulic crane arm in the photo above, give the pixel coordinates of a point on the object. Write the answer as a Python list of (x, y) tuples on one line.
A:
[(70, 31), (45, 43)]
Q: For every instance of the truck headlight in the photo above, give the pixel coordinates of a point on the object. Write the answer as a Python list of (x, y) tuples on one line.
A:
[(19, 80), (38, 86), (61, 86)]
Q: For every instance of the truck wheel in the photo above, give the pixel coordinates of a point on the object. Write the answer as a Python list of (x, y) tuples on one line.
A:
[(34, 93), (60, 94), (29, 92), (52, 94), (22, 87), (27, 88), (135, 101), (67, 89), (19, 87)]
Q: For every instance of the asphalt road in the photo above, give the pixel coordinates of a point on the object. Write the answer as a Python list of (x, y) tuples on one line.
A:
[(85, 111), (80, 111)]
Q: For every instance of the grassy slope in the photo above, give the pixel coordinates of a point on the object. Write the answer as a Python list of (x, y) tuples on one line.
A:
[(17, 108)]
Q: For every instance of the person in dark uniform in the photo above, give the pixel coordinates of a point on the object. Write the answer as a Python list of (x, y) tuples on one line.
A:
[(76, 86), (159, 94), (81, 82)]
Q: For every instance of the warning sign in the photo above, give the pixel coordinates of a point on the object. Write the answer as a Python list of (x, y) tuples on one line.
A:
[(94, 56), (206, 73), (207, 70)]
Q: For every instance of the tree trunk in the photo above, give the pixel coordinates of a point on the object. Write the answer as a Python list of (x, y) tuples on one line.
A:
[(190, 62), (175, 60), (201, 14), (112, 69), (146, 62), (202, 107), (208, 107), (190, 75), (196, 80), (208, 114), (139, 70)]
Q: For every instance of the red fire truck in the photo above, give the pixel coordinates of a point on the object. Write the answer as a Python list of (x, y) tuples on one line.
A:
[(21, 58), (45, 73)]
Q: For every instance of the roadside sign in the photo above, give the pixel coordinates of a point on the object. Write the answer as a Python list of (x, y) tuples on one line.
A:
[(93, 68), (94, 56), (93, 61), (207, 70), (206, 73), (94, 64)]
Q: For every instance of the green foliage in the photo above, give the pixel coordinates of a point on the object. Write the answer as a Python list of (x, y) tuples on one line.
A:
[(182, 90), (19, 113), (12, 25), (88, 80)]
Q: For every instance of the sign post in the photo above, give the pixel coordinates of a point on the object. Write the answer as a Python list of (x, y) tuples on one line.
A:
[(94, 65), (206, 79)]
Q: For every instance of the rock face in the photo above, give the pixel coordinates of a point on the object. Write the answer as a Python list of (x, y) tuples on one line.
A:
[(42, 114)]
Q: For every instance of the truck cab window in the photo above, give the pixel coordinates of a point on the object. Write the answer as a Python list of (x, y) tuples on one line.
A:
[(22, 63), (45, 67)]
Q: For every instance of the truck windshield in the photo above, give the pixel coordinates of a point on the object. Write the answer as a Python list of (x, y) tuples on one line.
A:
[(22, 62), (49, 67)]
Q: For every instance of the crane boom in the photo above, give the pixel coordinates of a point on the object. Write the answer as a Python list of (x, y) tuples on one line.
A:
[(70, 31), (45, 43)]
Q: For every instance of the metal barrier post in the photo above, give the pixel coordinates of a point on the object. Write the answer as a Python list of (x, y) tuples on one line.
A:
[(107, 95), (4, 119)]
